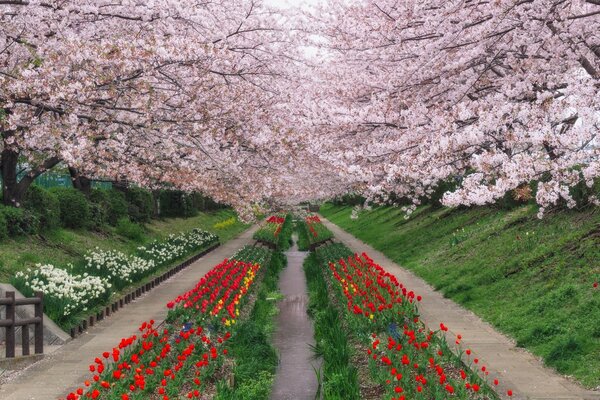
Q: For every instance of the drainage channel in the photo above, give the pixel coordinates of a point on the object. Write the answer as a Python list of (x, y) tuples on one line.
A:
[(296, 378)]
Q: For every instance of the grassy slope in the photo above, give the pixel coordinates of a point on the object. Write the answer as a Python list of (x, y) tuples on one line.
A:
[(530, 278), (62, 246)]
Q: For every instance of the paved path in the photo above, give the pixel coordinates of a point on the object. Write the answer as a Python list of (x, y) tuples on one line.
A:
[(64, 370), (296, 378), (515, 368)]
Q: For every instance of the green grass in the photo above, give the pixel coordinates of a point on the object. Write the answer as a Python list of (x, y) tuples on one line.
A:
[(62, 246), (251, 346), (340, 377), (532, 279)]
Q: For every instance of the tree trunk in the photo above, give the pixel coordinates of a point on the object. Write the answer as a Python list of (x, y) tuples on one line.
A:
[(10, 193), (156, 198), (80, 182), (13, 189), (120, 186)]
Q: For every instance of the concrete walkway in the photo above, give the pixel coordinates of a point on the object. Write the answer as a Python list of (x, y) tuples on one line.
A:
[(516, 369), (295, 378), (66, 369)]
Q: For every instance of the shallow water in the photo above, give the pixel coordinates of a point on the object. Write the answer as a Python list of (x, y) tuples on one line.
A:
[(296, 379)]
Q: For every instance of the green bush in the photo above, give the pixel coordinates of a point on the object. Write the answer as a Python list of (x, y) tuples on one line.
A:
[(3, 227), (19, 221), (130, 230), (141, 204), (175, 203), (117, 206), (99, 208), (74, 207), (45, 205)]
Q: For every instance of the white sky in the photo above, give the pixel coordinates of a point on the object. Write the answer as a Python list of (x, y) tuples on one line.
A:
[(291, 3)]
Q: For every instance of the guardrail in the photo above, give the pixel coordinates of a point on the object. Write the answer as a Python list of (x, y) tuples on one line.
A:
[(11, 323)]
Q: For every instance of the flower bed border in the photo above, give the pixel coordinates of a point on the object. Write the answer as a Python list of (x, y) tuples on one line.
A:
[(315, 245), (128, 298)]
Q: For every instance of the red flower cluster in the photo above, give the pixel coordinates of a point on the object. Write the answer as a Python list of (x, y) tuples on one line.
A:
[(310, 220), (274, 219), (419, 361), (221, 288), (163, 361), (156, 360), (369, 288), (271, 230)]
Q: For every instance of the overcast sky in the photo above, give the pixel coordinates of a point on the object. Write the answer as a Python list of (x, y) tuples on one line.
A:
[(291, 3)]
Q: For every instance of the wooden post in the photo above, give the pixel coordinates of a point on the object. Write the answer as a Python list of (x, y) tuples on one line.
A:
[(10, 330), (39, 326), (25, 340)]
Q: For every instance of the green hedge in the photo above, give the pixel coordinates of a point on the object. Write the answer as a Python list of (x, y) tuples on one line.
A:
[(18, 221), (46, 209), (141, 204), (45, 205), (175, 203), (74, 207)]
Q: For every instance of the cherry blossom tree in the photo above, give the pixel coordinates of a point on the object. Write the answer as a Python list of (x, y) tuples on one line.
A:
[(492, 95), (229, 98), (147, 92)]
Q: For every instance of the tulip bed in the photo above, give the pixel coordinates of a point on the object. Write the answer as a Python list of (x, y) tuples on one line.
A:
[(406, 358), (317, 232), (73, 290), (276, 231), (183, 358)]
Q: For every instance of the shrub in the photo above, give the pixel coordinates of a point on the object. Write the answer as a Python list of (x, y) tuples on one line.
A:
[(74, 207), (45, 205), (130, 230), (117, 206), (19, 221), (3, 227), (175, 203), (141, 204), (99, 208)]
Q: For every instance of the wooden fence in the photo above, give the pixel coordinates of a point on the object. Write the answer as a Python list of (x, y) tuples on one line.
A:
[(11, 323)]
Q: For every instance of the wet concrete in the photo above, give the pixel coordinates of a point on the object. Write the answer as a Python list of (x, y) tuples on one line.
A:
[(296, 378)]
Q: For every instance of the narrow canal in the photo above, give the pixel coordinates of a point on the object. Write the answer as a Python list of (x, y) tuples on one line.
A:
[(296, 378)]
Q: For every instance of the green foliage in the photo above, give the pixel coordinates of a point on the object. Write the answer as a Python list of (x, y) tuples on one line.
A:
[(581, 192), (316, 232), (45, 205), (340, 377), (250, 346), (19, 221), (530, 278), (74, 207), (62, 246), (3, 226), (130, 230), (175, 203), (285, 236), (99, 208), (435, 198), (258, 388), (140, 204), (117, 206), (303, 242), (350, 199), (278, 234)]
